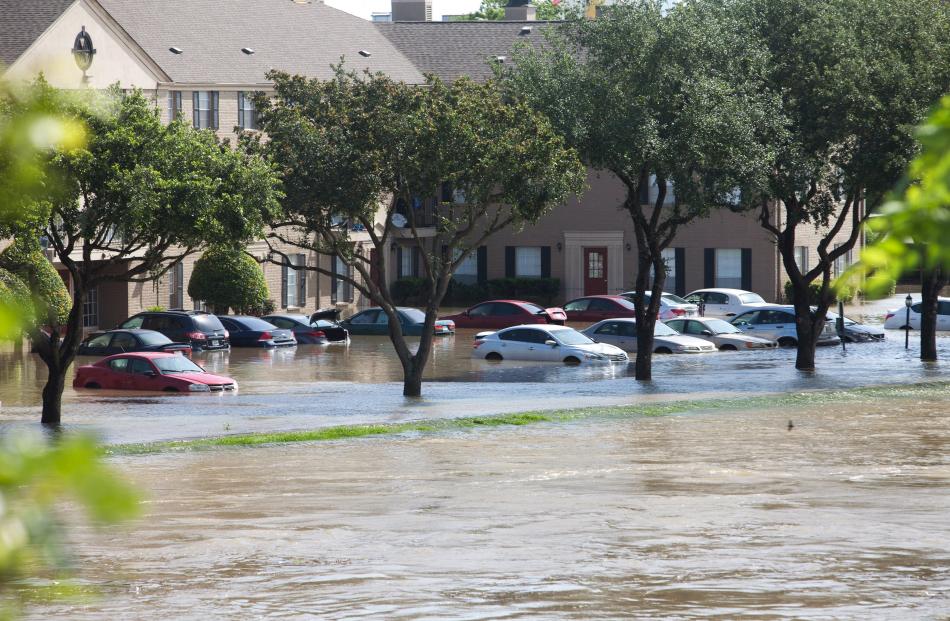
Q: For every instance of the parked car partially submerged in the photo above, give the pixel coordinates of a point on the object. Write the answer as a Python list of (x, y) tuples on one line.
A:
[(855, 332), (777, 323), (310, 331), (151, 371), (496, 314), (199, 329), (720, 333), (597, 307), (623, 333), (544, 343), (412, 320), (247, 331), (896, 319), (671, 305), (123, 341), (726, 302)]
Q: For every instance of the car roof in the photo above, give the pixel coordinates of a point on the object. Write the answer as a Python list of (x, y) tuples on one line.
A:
[(720, 290), (605, 297), (304, 318), (142, 354), (544, 327), (130, 330), (509, 302)]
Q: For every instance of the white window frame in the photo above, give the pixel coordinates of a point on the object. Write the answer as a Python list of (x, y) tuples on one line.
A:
[(528, 262), (90, 308), (467, 271), (801, 258), (247, 113)]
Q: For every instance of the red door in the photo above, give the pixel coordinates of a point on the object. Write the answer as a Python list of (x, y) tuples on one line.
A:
[(595, 271)]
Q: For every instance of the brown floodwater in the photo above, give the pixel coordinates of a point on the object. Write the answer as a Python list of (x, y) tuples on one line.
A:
[(719, 515)]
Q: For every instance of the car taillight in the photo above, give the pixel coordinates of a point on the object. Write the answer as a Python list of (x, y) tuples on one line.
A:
[(196, 336), (317, 334), (227, 334), (678, 311), (889, 315), (477, 344), (265, 336)]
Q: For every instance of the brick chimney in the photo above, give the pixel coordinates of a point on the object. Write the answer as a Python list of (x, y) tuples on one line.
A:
[(412, 10), (520, 11)]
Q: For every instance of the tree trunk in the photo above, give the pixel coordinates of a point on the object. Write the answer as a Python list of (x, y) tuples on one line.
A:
[(644, 364), (412, 380), (58, 354), (931, 284), (807, 331), (53, 395)]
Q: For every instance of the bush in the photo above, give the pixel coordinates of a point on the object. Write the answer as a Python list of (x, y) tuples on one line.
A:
[(227, 277), (15, 305), (411, 291), (814, 289), (539, 290), (49, 300)]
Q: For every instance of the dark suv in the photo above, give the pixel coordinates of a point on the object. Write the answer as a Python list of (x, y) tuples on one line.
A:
[(199, 329)]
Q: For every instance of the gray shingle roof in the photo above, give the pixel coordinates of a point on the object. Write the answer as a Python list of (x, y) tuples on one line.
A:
[(23, 21), (296, 37), (451, 50)]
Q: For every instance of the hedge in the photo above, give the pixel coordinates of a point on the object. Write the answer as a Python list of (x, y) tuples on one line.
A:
[(539, 290)]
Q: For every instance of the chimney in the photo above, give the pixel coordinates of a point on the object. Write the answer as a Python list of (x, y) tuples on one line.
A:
[(520, 11), (412, 10)]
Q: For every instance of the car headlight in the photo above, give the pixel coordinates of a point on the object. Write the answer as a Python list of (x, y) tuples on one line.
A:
[(199, 388), (689, 348), (595, 357)]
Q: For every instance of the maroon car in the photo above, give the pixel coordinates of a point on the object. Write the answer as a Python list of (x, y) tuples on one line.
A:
[(150, 371), (597, 307), (497, 314)]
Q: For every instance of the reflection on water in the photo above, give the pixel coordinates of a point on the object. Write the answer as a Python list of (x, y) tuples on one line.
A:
[(694, 516)]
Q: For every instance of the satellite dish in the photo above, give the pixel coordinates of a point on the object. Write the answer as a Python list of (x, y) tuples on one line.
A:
[(399, 220)]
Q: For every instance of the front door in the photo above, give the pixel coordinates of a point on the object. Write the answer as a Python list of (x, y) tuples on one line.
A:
[(595, 271)]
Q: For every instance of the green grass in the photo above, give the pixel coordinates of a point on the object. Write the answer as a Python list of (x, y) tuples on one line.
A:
[(937, 390)]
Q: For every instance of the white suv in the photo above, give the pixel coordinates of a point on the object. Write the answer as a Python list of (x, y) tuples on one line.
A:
[(777, 323), (726, 302)]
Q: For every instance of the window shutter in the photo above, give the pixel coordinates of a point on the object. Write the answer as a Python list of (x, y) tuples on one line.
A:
[(302, 281), (680, 269), (283, 284), (545, 261), (509, 261), (747, 269), (241, 109), (709, 279), (482, 258), (195, 112), (415, 262), (213, 109), (399, 273)]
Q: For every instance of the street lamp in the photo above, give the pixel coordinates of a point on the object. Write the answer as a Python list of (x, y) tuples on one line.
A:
[(908, 301)]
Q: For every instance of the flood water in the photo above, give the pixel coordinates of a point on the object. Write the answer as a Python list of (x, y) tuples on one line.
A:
[(719, 515), (314, 386)]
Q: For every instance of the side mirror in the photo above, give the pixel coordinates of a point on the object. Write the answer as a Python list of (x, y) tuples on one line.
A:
[(466, 314), (551, 343), (707, 333), (151, 374)]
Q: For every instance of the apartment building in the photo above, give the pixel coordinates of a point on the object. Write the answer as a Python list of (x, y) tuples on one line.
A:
[(200, 59)]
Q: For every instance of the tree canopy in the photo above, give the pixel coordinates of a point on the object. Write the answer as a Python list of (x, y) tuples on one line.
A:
[(494, 10), (49, 301), (227, 277)]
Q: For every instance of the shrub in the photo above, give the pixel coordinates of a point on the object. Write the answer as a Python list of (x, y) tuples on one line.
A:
[(538, 290), (227, 277), (15, 305), (48, 298)]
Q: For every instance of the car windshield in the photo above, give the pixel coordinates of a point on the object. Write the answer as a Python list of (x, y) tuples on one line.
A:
[(669, 297), (718, 326), (253, 323), (153, 338), (572, 337), (176, 364), (413, 314), (533, 308), (207, 323), (751, 298), (662, 329), (829, 316)]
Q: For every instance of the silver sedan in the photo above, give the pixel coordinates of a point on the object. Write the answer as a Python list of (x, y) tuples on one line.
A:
[(623, 334), (720, 333)]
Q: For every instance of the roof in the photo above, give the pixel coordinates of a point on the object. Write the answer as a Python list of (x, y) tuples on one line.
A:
[(296, 37), (23, 22), (451, 50), (721, 290)]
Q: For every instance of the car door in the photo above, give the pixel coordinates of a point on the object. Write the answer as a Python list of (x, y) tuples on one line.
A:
[(381, 325), (517, 344), (117, 376), (773, 324), (717, 304), (600, 309), (695, 329), (748, 322), (576, 310), (98, 346), (142, 375), (477, 316), (611, 333), (677, 324)]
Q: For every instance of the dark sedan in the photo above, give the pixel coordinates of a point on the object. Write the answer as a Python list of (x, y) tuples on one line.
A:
[(317, 332), (412, 320), (123, 341), (255, 332)]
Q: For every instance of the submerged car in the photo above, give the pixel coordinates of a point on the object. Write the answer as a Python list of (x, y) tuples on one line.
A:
[(726, 302), (122, 341), (307, 331), (412, 320), (896, 319), (497, 314), (777, 323), (256, 332), (199, 329), (161, 372), (855, 332), (720, 333), (623, 334), (544, 343), (597, 307), (671, 305)]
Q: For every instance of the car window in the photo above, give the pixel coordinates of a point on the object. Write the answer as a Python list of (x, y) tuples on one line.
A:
[(177, 364), (916, 307), (120, 365), (671, 298), (283, 322), (752, 317), (155, 322), (140, 367), (382, 319), (628, 328), (600, 304), (714, 297), (133, 322), (124, 340), (100, 341), (610, 328), (694, 327), (205, 323), (569, 337), (507, 309), (718, 326), (153, 338), (751, 298), (251, 323), (482, 310), (364, 318), (773, 317), (531, 308), (229, 324), (524, 335), (661, 329), (695, 298), (577, 305), (943, 308), (414, 315), (676, 324)]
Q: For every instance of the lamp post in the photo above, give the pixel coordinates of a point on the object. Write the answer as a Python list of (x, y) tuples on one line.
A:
[(908, 302)]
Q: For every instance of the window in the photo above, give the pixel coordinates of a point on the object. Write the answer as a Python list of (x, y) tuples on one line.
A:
[(842, 263), (407, 263), (609, 328), (669, 260), (340, 290), (525, 335), (606, 306), (176, 287), (100, 341), (247, 113), (467, 271), (120, 365), (364, 318), (677, 324), (577, 305), (801, 258), (140, 367), (715, 297), (528, 262), (294, 281), (90, 309), (174, 105), (134, 322), (205, 109), (482, 310), (729, 268)]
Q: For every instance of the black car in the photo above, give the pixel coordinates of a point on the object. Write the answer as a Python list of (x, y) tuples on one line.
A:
[(255, 332), (122, 341), (201, 330), (310, 331)]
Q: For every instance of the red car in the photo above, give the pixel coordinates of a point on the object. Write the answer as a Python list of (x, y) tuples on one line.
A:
[(598, 307), (150, 371), (505, 313)]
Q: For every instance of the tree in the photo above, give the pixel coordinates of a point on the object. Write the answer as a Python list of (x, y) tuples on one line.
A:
[(918, 213), (494, 10), (49, 300), (361, 154), (854, 77), (679, 109), (227, 277), (142, 195)]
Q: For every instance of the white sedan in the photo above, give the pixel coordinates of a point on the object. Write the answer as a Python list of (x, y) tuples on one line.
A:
[(726, 302), (896, 319), (544, 343)]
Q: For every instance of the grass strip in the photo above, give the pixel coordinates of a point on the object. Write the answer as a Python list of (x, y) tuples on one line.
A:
[(933, 390)]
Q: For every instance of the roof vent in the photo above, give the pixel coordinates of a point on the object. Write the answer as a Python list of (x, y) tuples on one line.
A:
[(525, 30), (175, 50), (247, 50), (365, 53)]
